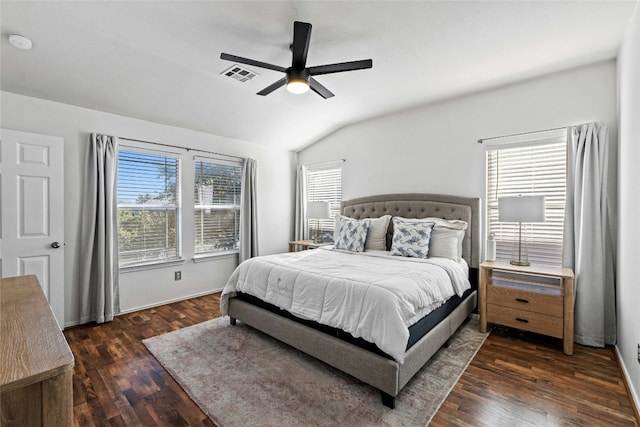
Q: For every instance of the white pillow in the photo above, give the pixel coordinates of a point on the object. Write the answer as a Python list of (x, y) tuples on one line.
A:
[(456, 224), (377, 236), (411, 238), (352, 234), (446, 243), (446, 238)]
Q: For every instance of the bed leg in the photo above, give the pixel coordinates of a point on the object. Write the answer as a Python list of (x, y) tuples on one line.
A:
[(447, 343), (232, 320), (388, 400)]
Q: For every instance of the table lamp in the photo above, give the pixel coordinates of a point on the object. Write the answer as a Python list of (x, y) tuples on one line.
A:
[(521, 209), (318, 211)]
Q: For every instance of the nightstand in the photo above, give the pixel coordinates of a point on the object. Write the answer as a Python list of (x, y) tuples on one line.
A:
[(534, 298), (304, 244)]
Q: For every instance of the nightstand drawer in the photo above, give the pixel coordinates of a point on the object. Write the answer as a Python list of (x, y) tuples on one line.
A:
[(545, 303), (527, 320)]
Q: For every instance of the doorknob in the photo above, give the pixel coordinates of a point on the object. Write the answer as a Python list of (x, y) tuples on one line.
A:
[(55, 245)]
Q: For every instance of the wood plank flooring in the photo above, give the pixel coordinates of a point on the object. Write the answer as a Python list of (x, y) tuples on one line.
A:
[(518, 378), (514, 380), (117, 382)]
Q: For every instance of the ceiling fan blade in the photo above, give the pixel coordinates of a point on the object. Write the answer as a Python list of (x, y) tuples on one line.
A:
[(267, 90), (248, 61), (319, 89), (300, 46), (340, 67)]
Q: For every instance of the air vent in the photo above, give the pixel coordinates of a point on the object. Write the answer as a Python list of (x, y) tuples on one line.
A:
[(239, 73)]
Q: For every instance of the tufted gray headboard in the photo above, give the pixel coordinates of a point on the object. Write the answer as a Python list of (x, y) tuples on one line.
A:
[(416, 205)]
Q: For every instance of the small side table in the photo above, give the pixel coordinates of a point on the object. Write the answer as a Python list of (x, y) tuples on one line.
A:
[(534, 298), (304, 244)]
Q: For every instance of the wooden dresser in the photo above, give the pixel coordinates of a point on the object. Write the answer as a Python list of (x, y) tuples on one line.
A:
[(533, 298), (36, 364)]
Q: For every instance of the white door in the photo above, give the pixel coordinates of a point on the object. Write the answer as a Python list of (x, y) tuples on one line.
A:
[(32, 211)]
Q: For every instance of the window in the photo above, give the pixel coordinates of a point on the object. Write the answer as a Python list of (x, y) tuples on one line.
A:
[(217, 206), (324, 184), (533, 169), (148, 206)]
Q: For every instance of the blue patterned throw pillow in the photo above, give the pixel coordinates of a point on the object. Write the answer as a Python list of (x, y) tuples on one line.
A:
[(411, 238), (352, 234)]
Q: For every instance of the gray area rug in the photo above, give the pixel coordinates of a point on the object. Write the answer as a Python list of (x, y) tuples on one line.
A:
[(241, 377)]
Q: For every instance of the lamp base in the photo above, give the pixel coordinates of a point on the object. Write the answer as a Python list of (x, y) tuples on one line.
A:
[(318, 237), (520, 254)]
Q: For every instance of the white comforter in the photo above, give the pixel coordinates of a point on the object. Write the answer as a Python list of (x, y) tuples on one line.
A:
[(371, 295)]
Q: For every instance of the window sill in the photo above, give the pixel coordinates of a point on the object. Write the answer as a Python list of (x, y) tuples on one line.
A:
[(216, 256), (151, 265)]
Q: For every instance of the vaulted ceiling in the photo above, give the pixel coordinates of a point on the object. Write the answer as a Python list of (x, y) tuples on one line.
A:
[(160, 60)]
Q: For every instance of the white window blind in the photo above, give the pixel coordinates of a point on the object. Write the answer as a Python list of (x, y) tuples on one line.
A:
[(537, 169), (217, 205), (148, 206), (324, 184)]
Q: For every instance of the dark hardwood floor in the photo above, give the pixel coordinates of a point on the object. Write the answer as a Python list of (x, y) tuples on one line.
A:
[(519, 379), (117, 382), (515, 379)]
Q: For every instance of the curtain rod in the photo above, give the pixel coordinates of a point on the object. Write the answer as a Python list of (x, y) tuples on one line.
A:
[(182, 148), (481, 140)]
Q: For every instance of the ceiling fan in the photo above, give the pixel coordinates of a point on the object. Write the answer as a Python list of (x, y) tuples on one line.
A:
[(299, 78)]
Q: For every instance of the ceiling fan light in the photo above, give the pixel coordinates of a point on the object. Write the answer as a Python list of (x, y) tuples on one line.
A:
[(298, 86)]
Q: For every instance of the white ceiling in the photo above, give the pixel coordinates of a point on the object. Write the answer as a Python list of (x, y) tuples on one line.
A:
[(160, 61)]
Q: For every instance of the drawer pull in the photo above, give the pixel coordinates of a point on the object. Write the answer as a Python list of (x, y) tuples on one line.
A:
[(522, 300), (519, 319)]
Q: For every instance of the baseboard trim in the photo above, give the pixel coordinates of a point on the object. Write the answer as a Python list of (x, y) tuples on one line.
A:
[(156, 304), (633, 396)]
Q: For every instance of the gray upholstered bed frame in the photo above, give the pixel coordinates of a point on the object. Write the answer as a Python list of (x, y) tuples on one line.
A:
[(385, 374)]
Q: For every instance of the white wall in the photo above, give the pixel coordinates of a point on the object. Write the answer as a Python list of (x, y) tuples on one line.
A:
[(152, 287), (628, 293), (434, 148)]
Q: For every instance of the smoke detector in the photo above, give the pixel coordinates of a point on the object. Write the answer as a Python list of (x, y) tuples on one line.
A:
[(20, 42)]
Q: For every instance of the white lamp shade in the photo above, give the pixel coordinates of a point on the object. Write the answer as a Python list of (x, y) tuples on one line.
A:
[(521, 209), (318, 210)]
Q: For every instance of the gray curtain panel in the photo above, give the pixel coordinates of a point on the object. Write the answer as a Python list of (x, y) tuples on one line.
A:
[(301, 232), (99, 271), (588, 247), (248, 212)]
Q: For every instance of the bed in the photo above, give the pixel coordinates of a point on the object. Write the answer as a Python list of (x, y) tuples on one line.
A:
[(383, 368)]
